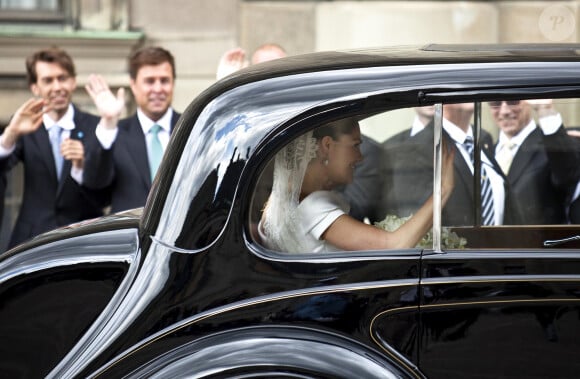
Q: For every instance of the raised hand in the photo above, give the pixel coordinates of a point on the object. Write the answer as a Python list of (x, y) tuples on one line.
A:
[(109, 106), (231, 61), (26, 120), (542, 107), (73, 150)]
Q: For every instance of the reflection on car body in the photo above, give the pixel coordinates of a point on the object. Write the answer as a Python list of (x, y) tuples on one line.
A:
[(186, 287)]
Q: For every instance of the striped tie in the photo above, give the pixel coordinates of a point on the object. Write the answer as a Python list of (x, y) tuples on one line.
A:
[(487, 211)]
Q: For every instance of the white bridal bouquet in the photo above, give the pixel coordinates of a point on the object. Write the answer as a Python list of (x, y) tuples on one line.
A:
[(449, 239)]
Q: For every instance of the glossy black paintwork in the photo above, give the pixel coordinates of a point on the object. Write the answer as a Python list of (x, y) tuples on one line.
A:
[(190, 279), (530, 299), (287, 351), (328, 296), (55, 300)]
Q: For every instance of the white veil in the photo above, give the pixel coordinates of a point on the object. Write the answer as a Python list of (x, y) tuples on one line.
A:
[(281, 224)]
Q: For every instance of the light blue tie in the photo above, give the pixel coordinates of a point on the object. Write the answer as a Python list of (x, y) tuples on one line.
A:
[(487, 211), (155, 150), (55, 133)]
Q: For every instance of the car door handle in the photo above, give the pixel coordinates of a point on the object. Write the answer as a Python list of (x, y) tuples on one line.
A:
[(550, 243)]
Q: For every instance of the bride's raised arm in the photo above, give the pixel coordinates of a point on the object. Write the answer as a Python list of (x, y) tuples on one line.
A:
[(348, 233)]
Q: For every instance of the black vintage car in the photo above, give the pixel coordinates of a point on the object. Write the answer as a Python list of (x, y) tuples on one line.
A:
[(185, 287)]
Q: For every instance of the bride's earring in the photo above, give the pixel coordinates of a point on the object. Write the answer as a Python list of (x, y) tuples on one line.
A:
[(325, 161)]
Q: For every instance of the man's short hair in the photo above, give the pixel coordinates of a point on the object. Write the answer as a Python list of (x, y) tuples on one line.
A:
[(52, 54), (149, 56)]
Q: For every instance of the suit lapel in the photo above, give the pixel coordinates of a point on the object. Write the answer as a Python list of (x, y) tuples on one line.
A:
[(463, 171), (42, 141), (65, 173), (137, 149), (174, 119), (524, 155)]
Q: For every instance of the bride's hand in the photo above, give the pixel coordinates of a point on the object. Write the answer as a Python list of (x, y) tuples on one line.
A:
[(447, 171)]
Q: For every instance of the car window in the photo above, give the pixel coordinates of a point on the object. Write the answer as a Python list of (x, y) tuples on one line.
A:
[(348, 176), (529, 158), (515, 174)]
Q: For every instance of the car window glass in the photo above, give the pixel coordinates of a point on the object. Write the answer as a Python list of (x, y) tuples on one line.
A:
[(529, 201), (529, 154), (359, 181), (525, 196)]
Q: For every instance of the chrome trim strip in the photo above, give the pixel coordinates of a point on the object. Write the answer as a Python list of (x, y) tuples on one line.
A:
[(503, 253), (69, 252), (507, 278), (437, 156), (340, 257), (550, 243), (477, 161), (175, 248), (494, 302)]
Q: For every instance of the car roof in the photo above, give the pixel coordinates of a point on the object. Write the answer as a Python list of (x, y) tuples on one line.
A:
[(405, 55)]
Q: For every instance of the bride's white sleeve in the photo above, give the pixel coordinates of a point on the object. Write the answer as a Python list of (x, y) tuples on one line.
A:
[(319, 210)]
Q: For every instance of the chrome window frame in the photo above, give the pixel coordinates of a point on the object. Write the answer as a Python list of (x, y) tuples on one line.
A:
[(437, 157)]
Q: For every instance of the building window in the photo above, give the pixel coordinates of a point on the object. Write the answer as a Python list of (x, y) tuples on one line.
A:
[(26, 11), (29, 4)]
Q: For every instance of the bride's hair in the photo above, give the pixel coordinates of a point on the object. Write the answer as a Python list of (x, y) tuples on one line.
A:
[(335, 128)]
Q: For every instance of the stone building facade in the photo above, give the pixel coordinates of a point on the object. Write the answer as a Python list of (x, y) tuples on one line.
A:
[(100, 34)]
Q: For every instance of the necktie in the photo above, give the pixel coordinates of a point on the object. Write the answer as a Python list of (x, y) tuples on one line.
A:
[(487, 211), (54, 133), (155, 150), (505, 156)]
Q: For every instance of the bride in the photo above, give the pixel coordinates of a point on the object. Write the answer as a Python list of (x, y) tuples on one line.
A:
[(304, 214)]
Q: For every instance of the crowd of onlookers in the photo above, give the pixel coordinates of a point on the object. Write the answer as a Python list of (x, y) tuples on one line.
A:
[(77, 164)]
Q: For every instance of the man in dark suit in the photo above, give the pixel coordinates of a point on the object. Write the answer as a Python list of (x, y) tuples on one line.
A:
[(541, 163), (48, 135), (129, 151), (574, 207), (409, 181), (3, 185)]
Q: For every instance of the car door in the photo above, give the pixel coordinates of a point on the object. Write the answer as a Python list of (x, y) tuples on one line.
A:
[(507, 305)]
